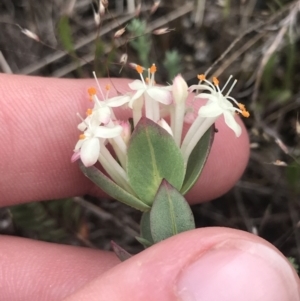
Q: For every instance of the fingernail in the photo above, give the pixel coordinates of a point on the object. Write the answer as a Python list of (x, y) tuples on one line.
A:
[(235, 271)]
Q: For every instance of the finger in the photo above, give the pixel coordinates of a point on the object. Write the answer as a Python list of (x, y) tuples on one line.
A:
[(204, 264), (34, 270), (38, 133)]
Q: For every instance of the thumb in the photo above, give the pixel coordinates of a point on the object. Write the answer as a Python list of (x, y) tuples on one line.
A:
[(205, 264)]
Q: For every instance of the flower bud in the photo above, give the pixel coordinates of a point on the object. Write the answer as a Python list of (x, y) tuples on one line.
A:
[(126, 130), (119, 32), (161, 31), (30, 34), (179, 89)]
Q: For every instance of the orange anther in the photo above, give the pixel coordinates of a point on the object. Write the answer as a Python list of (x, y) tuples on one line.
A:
[(242, 107), (201, 77), (92, 91), (81, 136), (215, 81), (139, 69), (89, 112), (245, 113), (147, 80), (153, 69), (107, 87)]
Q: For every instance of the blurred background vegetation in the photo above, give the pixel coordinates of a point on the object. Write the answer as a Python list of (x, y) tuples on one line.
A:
[(254, 40)]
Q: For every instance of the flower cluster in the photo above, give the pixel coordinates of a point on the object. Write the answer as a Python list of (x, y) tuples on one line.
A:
[(101, 126)]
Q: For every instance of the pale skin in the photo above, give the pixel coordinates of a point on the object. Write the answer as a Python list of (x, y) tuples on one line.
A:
[(38, 132)]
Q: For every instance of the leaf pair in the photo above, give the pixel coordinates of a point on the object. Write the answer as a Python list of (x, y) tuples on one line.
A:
[(152, 157)]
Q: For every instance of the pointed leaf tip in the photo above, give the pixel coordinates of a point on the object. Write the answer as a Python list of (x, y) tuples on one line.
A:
[(170, 213)]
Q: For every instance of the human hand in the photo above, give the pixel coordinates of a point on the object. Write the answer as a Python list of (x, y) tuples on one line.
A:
[(37, 132)]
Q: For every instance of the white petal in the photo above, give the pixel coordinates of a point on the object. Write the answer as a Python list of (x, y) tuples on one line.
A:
[(211, 109), (106, 132), (89, 152), (82, 126), (201, 87), (136, 96), (78, 145), (104, 115), (118, 101), (210, 97), (159, 94), (232, 123), (136, 85)]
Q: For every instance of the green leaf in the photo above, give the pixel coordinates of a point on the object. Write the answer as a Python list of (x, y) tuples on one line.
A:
[(153, 156), (293, 176), (197, 160), (111, 188), (120, 252), (144, 242), (145, 229), (65, 34), (170, 213)]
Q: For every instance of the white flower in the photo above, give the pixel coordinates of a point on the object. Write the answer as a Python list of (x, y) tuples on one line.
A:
[(102, 112), (216, 106), (152, 94), (89, 142), (219, 104)]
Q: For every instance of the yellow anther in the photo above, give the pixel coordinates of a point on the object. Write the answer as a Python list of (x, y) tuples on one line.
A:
[(153, 69), (201, 77), (139, 69), (107, 87), (215, 81), (92, 91), (89, 112), (81, 136)]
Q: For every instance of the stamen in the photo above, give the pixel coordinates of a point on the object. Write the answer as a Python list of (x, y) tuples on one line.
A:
[(139, 69), (215, 81), (107, 87), (95, 77), (92, 91), (81, 136), (228, 80), (153, 69), (241, 106), (147, 80), (82, 119), (201, 77), (232, 86), (89, 112), (245, 113)]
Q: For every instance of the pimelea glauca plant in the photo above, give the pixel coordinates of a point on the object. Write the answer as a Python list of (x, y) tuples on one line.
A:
[(153, 165)]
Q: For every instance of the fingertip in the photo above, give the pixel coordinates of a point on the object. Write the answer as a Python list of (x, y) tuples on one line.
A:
[(194, 266)]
